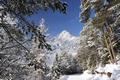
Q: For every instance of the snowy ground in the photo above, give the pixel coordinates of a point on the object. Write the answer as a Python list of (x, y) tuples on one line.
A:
[(77, 77), (114, 69)]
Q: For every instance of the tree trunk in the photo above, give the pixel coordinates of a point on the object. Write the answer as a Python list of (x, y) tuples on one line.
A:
[(108, 47), (108, 41), (111, 46)]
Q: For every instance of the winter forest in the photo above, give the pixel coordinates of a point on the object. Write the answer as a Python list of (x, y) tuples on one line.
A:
[(28, 51)]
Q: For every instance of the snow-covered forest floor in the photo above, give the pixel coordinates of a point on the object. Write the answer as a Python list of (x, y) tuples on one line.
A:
[(87, 75)]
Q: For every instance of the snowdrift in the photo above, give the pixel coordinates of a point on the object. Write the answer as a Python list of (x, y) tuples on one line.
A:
[(112, 68)]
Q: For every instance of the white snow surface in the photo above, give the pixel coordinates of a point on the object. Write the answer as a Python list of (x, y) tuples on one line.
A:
[(113, 68), (84, 76)]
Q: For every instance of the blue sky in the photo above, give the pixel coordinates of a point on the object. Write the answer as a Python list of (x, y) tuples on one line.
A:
[(57, 22)]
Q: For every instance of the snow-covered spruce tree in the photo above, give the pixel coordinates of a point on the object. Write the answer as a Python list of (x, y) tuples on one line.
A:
[(90, 39), (12, 58), (105, 18), (38, 66), (12, 53), (64, 64), (55, 71)]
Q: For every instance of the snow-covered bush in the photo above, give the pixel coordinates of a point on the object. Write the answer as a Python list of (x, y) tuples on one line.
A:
[(65, 64)]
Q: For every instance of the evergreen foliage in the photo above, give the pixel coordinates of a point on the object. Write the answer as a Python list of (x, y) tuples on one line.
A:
[(106, 16)]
